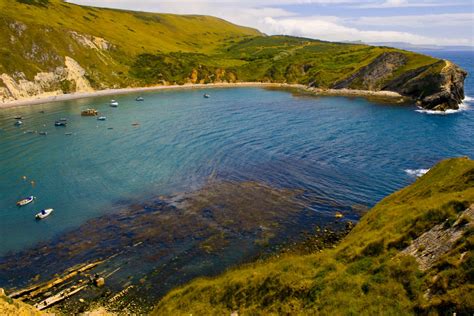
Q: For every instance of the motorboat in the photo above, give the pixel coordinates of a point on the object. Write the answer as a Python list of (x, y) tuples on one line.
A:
[(206, 96), (89, 112), (139, 99), (18, 123), (25, 201), (60, 123), (113, 103), (18, 117), (101, 118), (44, 213)]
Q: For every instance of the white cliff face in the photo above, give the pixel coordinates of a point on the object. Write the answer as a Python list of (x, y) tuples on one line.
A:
[(44, 84), (77, 74), (90, 41)]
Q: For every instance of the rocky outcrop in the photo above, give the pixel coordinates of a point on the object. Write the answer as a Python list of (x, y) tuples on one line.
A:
[(70, 78), (450, 82), (439, 86), (92, 42), (429, 247), (371, 76)]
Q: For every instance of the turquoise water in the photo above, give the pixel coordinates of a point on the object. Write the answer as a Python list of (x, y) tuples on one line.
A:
[(344, 151)]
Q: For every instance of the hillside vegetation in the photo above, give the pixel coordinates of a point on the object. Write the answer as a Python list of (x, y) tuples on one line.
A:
[(54, 47), (377, 269)]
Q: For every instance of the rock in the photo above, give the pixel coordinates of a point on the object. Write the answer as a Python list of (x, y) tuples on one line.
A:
[(371, 76), (451, 84), (2, 292), (339, 215), (433, 244), (99, 282), (437, 87)]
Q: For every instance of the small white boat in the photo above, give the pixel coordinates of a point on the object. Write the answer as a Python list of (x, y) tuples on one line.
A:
[(18, 123), (25, 201), (113, 103), (60, 123), (139, 99), (101, 118), (206, 96), (44, 213)]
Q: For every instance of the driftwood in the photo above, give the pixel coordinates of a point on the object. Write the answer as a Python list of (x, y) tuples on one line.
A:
[(59, 297), (34, 290)]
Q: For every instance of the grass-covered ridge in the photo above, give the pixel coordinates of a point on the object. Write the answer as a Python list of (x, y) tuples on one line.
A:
[(366, 273), (120, 48)]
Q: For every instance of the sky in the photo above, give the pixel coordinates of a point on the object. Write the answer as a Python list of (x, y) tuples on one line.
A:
[(421, 22)]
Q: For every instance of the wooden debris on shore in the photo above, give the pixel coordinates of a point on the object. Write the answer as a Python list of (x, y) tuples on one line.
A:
[(59, 297), (37, 289)]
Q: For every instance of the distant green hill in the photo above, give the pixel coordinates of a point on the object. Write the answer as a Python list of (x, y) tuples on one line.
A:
[(53, 47), (411, 254)]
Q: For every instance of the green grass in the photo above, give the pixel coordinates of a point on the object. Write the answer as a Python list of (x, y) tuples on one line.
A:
[(363, 274)]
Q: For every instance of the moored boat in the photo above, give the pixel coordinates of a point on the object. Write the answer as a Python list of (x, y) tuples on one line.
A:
[(101, 118), (89, 112), (60, 123), (25, 201), (206, 96), (18, 123), (113, 103), (44, 213), (18, 117), (139, 99)]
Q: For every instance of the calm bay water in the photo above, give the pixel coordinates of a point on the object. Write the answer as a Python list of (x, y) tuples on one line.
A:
[(344, 150)]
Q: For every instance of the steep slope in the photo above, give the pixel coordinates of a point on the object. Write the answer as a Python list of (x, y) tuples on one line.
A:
[(53, 47), (37, 36), (412, 253)]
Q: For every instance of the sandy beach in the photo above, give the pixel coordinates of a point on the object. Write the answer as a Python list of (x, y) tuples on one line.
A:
[(82, 95)]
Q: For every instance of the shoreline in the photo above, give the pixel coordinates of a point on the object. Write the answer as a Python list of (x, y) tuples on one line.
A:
[(316, 91)]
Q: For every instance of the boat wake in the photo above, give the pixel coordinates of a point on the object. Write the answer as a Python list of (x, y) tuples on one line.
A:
[(416, 172), (464, 106)]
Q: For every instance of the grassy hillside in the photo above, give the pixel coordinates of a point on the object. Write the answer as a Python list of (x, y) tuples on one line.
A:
[(366, 273), (37, 35)]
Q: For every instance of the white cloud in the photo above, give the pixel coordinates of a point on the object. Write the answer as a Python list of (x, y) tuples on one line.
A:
[(329, 29), (406, 4), (421, 21)]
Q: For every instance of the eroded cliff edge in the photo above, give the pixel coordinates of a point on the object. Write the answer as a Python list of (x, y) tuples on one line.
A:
[(438, 86)]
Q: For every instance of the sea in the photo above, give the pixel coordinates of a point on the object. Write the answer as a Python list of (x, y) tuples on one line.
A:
[(332, 154)]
